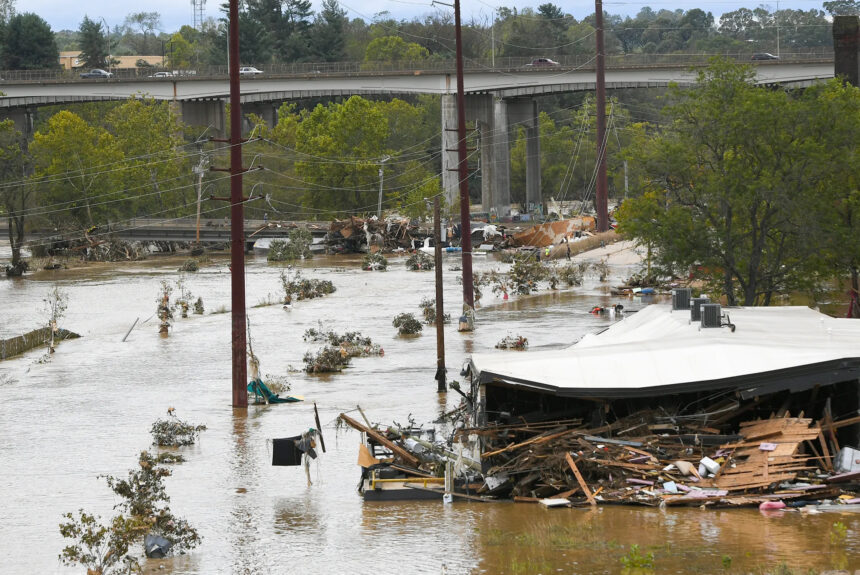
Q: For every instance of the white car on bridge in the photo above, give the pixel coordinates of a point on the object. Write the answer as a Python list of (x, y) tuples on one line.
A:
[(249, 71)]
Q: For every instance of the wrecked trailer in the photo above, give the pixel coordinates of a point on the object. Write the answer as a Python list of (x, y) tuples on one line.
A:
[(675, 405)]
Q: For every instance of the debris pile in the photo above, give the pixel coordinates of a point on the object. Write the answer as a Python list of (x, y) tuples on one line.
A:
[(406, 324), (645, 458), (356, 235), (173, 432)]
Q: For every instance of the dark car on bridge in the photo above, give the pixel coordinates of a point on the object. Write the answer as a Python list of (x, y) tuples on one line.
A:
[(96, 73), (764, 56)]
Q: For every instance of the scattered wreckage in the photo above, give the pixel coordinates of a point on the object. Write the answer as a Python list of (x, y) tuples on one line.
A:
[(689, 404)]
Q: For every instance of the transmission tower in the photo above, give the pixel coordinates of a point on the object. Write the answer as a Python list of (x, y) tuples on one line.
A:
[(199, 6)]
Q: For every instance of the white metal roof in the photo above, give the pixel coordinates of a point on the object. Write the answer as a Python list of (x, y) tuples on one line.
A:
[(659, 351)]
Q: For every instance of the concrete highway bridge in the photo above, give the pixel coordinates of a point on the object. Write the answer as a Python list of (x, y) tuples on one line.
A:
[(499, 95)]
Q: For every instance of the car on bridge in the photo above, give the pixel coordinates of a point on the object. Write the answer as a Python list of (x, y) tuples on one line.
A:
[(249, 71), (161, 75), (542, 62), (96, 73), (764, 56)]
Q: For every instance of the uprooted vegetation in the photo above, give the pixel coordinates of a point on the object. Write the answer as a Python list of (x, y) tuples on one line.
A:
[(419, 261), (406, 324), (294, 284), (296, 247), (174, 432)]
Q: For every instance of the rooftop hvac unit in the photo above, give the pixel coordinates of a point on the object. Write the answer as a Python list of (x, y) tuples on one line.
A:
[(711, 315), (681, 298), (696, 308)]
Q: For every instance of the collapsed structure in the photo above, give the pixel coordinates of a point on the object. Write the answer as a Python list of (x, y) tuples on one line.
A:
[(683, 404)]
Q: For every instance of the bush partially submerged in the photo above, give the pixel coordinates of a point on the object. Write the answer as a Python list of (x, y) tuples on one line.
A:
[(295, 285), (326, 360), (428, 308), (406, 324), (173, 432), (374, 262), (419, 261), (298, 246), (525, 275), (190, 265), (516, 342), (104, 549), (351, 342)]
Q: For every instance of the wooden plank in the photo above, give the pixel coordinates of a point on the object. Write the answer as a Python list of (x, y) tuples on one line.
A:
[(827, 461), (543, 438), (624, 464), (382, 440), (579, 479)]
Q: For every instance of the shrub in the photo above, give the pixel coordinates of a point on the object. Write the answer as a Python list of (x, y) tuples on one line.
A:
[(374, 262), (406, 324), (419, 261)]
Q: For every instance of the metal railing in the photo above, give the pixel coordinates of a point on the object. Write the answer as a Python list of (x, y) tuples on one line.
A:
[(432, 65)]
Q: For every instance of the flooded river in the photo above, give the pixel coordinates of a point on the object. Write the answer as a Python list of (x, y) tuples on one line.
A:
[(87, 411)]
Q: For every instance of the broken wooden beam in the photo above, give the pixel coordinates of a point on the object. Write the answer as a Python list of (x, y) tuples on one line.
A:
[(382, 440), (579, 479)]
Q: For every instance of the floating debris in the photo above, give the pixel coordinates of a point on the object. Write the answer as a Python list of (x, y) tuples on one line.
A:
[(351, 342), (329, 359), (163, 311), (293, 283), (406, 324)]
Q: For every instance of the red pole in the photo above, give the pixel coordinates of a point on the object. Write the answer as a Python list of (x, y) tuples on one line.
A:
[(463, 174), (600, 97), (237, 219)]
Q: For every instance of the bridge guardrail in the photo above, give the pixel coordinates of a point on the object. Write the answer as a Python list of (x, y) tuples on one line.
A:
[(305, 69)]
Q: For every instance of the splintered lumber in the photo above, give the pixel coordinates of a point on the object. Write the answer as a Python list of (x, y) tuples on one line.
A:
[(382, 440), (579, 479), (543, 438)]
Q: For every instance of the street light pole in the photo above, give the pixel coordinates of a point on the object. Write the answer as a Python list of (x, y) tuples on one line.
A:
[(107, 38)]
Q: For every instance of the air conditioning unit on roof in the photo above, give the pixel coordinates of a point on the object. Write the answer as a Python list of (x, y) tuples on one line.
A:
[(681, 298), (712, 315), (696, 308)]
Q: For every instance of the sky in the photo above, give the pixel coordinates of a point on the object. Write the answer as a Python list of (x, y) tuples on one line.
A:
[(66, 15)]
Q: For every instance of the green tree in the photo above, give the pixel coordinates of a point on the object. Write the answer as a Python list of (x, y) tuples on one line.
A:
[(15, 191), (93, 44), (28, 44), (727, 187), (179, 53), (842, 7), (394, 49), (327, 36), (146, 24), (148, 133), (69, 158)]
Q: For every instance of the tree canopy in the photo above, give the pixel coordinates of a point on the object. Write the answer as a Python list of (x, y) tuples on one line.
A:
[(28, 44)]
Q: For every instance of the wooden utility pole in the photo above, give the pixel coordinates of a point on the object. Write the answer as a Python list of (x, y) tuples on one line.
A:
[(463, 175), (237, 219), (600, 98), (440, 306)]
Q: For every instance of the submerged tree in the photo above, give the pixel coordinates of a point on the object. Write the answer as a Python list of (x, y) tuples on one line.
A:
[(15, 191)]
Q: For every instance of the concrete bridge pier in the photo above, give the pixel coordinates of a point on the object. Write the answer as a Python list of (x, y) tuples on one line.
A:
[(268, 111), (500, 201), (524, 112), (24, 119), (210, 113)]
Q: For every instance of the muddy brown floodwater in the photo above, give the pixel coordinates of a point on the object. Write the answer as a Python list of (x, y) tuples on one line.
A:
[(87, 412)]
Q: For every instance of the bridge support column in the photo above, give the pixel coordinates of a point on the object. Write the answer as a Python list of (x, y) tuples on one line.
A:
[(204, 113), (846, 46), (268, 111), (501, 160), (450, 182), (24, 119), (525, 113)]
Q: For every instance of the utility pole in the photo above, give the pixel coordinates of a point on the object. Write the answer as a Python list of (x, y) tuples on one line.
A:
[(600, 97), (463, 173), (237, 225), (440, 306), (381, 173)]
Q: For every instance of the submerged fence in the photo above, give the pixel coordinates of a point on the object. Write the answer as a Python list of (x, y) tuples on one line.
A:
[(36, 338)]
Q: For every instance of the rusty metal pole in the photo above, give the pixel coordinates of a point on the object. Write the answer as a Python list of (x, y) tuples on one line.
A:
[(440, 306), (463, 175), (237, 219), (600, 97)]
